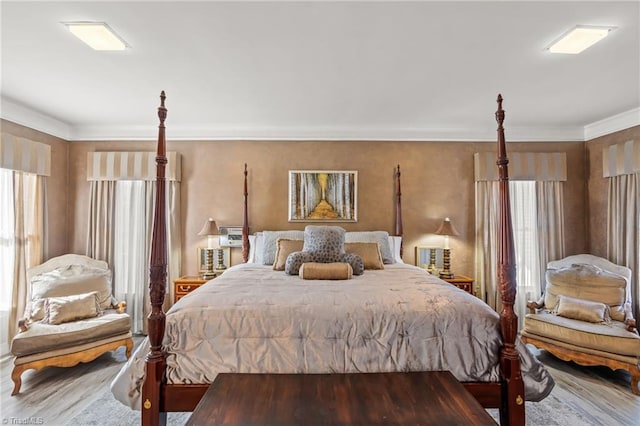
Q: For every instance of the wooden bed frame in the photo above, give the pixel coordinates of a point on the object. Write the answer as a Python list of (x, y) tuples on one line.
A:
[(158, 397)]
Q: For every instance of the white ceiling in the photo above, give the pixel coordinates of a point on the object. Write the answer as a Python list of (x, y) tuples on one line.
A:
[(321, 70)]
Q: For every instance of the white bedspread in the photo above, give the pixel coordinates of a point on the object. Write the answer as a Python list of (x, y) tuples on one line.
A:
[(253, 319)]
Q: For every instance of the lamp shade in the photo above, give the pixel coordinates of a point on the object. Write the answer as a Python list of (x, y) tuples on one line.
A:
[(209, 228), (446, 228)]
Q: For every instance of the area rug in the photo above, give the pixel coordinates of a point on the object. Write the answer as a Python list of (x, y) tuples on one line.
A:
[(106, 410)]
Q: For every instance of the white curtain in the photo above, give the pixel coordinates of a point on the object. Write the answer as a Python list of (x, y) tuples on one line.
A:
[(133, 209), (623, 229), (526, 238), (22, 244)]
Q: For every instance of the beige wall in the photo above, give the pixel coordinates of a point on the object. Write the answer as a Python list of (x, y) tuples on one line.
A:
[(437, 181), (597, 187), (58, 194)]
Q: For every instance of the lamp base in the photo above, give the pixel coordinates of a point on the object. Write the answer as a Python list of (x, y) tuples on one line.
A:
[(220, 264), (209, 275), (446, 274), (446, 264)]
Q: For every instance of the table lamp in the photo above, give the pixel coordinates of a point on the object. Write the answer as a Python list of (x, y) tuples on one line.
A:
[(210, 229), (446, 229)]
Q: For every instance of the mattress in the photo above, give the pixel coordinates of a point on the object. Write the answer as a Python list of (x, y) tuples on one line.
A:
[(253, 319)]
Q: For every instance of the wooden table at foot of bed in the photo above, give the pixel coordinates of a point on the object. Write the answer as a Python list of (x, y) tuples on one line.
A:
[(425, 398)]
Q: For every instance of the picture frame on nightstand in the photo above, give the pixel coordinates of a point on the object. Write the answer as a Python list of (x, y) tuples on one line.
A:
[(430, 258)]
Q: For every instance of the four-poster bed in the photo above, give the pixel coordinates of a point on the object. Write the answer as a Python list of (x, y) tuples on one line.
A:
[(502, 386)]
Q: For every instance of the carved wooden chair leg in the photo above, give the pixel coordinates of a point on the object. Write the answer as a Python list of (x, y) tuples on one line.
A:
[(129, 348), (17, 380), (635, 381)]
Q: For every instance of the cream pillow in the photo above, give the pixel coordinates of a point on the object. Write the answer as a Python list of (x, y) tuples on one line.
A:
[(284, 247), (58, 310), (369, 252), (580, 309)]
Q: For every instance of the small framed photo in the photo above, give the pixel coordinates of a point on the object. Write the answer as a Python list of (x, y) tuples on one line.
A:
[(430, 258)]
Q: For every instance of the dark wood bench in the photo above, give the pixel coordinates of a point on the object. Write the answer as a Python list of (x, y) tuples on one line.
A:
[(425, 398)]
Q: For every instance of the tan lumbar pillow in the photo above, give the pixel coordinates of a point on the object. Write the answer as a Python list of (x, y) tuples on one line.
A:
[(369, 252), (284, 247), (58, 310), (326, 271), (580, 309)]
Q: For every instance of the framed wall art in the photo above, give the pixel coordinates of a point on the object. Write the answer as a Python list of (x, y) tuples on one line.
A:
[(323, 196)]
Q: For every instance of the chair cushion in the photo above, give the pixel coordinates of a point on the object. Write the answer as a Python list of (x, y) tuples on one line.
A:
[(586, 282), (608, 337), (42, 337)]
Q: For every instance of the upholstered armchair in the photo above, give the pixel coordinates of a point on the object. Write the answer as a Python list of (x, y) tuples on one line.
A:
[(585, 315), (71, 316)]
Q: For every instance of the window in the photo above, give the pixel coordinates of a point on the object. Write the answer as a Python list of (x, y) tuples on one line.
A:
[(7, 254), (21, 212)]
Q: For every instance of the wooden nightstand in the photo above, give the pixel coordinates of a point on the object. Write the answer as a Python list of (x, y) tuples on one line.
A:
[(462, 282), (185, 285)]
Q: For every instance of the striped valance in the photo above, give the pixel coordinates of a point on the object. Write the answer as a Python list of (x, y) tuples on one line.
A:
[(130, 166), (621, 159), (540, 166), (24, 155)]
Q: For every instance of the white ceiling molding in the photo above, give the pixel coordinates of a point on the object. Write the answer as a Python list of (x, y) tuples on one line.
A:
[(612, 124), (19, 114), (217, 133), (22, 115)]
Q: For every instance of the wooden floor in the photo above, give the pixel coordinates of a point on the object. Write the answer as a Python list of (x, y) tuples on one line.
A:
[(56, 395)]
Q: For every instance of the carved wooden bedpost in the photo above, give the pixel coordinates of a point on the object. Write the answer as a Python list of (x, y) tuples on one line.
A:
[(398, 208), (512, 409), (155, 362), (245, 221)]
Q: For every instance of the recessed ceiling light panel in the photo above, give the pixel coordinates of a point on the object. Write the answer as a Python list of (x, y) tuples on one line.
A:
[(579, 38), (98, 35)]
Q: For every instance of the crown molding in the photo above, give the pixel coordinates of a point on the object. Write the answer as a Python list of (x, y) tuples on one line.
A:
[(612, 124), (13, 111), (19, 114), (221, 133)]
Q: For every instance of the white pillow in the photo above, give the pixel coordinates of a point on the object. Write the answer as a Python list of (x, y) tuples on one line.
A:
[(252, 249), (257, 249), (396, 244)]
